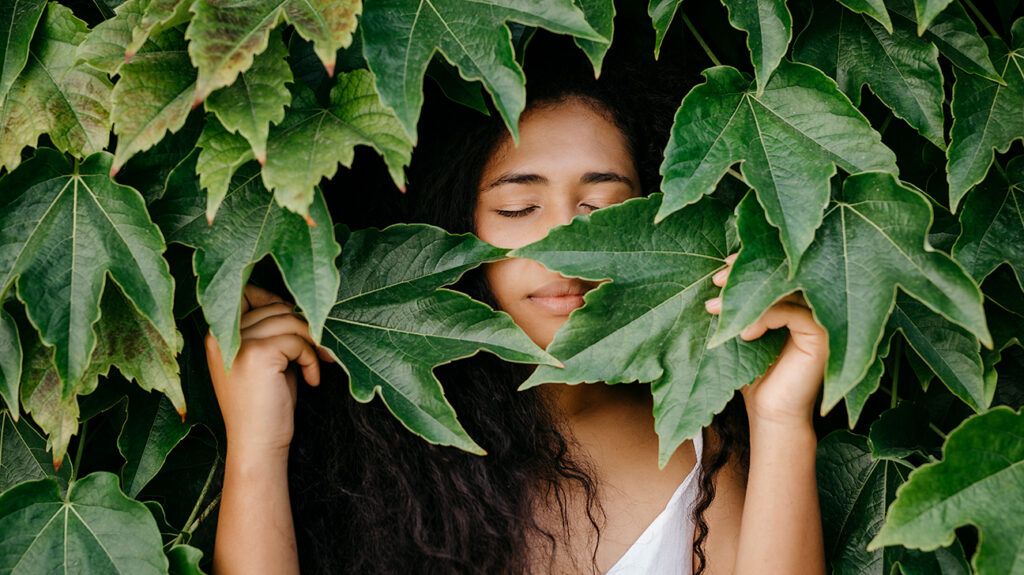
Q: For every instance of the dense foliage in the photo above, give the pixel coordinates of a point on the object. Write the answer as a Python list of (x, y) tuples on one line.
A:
[(128, 127)]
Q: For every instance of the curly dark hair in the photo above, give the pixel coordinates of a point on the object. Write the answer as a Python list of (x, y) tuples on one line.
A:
[(370, 497)]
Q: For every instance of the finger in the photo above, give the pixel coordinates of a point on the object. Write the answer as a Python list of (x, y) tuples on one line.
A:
[(296, 348), (789, 315), (259, 297), (723, 274), (729, 259), (260, 313), (280, 324)]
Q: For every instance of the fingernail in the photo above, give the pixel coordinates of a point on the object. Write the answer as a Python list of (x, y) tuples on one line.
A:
[(720, 276), (713, 304), (731, 257)]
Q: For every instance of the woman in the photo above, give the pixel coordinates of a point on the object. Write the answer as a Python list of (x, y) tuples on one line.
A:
[(571, 481)]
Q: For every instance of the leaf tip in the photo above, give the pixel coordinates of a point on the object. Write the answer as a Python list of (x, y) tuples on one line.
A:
[(56, 463), (128, 55), (182, 413), (262, 158), (310, 221), (329, 66), (114, 169)]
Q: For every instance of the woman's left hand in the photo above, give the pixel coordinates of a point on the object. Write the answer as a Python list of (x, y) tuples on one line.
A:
[(785, 394)]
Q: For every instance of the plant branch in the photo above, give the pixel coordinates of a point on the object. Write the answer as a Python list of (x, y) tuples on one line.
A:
[(700, 40), (897, 355), (79, 450), (192, 522), (981, 17)]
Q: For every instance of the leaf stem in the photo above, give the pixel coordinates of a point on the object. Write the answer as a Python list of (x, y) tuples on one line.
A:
[(738, 176), (192, 522), (79, 450), (897, 356), (981, 17), (700, 39), (936, 429)]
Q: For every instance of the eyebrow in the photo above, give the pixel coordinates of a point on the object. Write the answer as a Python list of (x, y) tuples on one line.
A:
[(587, 178)]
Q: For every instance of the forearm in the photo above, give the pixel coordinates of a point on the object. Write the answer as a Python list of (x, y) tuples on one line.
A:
[(254, 526), (780, 531)]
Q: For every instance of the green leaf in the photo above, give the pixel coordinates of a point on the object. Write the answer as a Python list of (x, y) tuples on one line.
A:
[(10, 362), (151, 430), (978, 482), (153, 96), (257, 98), (104, 47), (926, 11), (400, 36), (855, 491), (992, 224), (328, 24), (18, 20), (950, 351), (250, 226), (902, 431), (661, 12), (93, 529), (769, 28), (221, 154), (69, 102), (41, 397), (790, 140), (873, 239), (65, 227), (23, 455), (874, 8), (157, 16), (649, 323), (900, 68), (600, 14), (392, 323), (986, 116), (312, 139), (224, 37), (184, 560), (954, 33), (469, 94)]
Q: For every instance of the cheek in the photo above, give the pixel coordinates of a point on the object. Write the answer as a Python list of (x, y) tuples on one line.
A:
[(503, 281)]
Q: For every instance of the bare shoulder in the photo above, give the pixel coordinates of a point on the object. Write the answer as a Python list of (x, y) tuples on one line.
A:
[(724, 515)]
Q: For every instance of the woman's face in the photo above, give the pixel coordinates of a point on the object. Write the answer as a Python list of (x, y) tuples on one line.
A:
[(570, 160)]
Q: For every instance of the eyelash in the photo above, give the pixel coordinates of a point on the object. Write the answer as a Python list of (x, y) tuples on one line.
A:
[(528, 211)]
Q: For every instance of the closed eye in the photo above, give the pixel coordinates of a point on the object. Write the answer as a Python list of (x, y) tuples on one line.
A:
[(529, 210)]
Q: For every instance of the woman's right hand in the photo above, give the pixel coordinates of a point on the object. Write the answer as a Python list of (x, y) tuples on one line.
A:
[(257, 398)]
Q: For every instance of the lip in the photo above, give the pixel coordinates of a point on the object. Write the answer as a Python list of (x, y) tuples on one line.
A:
[(560, 296)]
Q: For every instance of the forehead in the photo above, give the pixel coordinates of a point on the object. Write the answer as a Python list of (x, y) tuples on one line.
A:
[(569, 135)]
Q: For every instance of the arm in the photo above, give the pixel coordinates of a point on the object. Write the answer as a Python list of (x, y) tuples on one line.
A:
[(779, 525), (257, 399), (254, 526)]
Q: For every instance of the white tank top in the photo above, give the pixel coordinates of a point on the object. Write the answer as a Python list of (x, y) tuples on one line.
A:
[(666, 546)]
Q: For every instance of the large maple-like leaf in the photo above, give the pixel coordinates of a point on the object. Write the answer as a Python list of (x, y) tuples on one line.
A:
[(94, 528), (126, 340), (392, 322), (649, 323), (400, 36), (313, 139), (68, 101), (872, 240), (855, 492), (790, 140), (769, 28), (63, 228), (257, 98), (224, 37), (250, 226), (979, 481), (18, 20), (901, 68), (986, 116), (992, 224), (151, 429)]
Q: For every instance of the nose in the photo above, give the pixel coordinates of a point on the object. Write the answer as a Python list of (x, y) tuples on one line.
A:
[(563, 213)]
